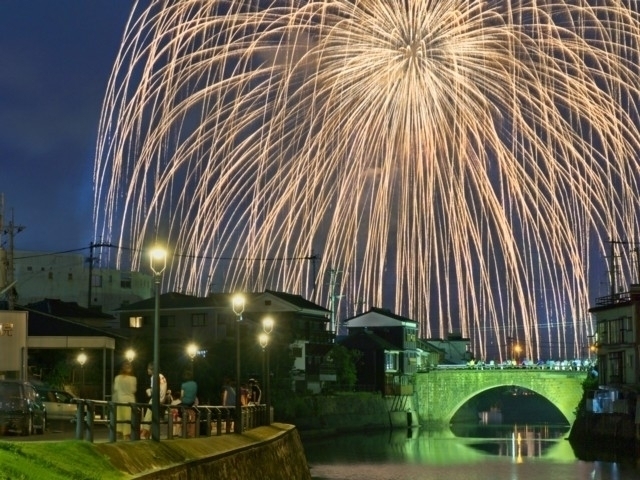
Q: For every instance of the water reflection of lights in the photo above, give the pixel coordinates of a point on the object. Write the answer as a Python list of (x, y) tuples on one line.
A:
[(520, 442), (600, 471)]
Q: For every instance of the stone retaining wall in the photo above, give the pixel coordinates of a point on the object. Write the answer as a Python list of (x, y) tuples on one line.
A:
[(276, 452), (357, 412)]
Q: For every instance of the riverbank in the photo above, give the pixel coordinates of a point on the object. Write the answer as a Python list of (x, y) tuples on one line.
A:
[(604, 435), (327, 415), (275, 451)]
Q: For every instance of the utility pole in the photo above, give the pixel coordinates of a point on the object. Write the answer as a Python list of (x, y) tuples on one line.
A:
[(333, 299), (614, 268), (3, 254), (6, 258), (313, 258), (91, 261), (612, 271)]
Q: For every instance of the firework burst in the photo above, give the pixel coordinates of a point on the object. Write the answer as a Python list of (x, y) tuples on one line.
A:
[(457, 161)]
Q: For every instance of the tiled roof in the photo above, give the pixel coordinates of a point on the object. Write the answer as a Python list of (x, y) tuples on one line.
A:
[(384, 312), (54, 318), (365, 339), (297, 300), (68, 310), (174, 300)]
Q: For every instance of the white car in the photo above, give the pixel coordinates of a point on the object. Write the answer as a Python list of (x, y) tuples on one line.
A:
[(60, 405)]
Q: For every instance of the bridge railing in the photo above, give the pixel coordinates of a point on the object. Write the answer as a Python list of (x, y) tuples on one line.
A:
[(175, 420), (559, 365)]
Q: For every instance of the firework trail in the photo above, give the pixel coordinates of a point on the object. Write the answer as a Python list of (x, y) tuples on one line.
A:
[(459, 162)]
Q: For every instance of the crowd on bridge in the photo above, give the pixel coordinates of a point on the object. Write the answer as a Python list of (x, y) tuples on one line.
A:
[(585, 365)]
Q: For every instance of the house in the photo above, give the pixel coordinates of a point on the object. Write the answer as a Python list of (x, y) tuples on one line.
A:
[(68, 330), (388, 344), (455, 349), (300, 328), (618, 345), (428, 355)]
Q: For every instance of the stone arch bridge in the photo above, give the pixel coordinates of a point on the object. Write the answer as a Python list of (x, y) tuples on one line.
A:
[(440, 393)]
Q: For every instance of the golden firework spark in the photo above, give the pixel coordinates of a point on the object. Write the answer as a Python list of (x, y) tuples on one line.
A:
[(457, 161)]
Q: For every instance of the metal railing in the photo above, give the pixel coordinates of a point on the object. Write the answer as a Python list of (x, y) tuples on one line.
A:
[(176, 421)]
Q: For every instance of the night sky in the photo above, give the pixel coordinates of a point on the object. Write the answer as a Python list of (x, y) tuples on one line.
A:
[(55, 61)]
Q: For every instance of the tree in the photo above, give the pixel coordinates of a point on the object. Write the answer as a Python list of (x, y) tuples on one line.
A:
[(345, 361)]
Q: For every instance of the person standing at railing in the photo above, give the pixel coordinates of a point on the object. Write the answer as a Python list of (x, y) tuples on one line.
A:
[(228, 399), (188, 390), (124, 391), (255, 393), (228, 393), (189, 398), (146, 428)]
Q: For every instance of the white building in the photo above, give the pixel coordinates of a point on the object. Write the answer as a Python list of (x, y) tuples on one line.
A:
[(70, 277)]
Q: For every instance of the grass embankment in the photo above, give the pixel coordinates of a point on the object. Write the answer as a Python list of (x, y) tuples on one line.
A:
[(67, 460), (79, 460)]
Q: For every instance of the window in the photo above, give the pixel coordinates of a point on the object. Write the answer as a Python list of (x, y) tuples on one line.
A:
[(391, 361), (125, 281), (603, 338), (70, 276), (198, 320), (167, 321), (136, 322), (50, 275), (96, 280), (615, 367)]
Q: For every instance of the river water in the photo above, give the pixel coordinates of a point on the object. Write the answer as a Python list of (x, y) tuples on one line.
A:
[(509, 453)]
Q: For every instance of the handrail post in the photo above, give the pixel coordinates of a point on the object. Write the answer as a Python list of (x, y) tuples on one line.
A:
[(208, 421), (183, 416), (218, 422), (89, 417), (135, 421), (80, 420), (170, 410), (112, 416)]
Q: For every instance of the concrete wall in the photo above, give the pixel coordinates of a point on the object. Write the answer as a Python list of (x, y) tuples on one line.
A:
[(267, 453)]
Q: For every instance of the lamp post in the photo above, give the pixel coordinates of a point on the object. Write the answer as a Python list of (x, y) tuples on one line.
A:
[(263, 339), (267, 327), (158, 261), (82, 359), (238, 309)]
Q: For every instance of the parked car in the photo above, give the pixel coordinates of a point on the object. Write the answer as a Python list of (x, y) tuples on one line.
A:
[(21, 410), (60, 405)]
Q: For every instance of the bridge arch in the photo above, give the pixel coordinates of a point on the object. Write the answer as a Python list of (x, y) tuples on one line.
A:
[(439, 394)]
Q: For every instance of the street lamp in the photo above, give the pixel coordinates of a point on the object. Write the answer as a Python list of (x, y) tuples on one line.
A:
[(192, 351), (130, 354), (517, 349), (82, 359), (267, 327), (158, 261), (238, 309)]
